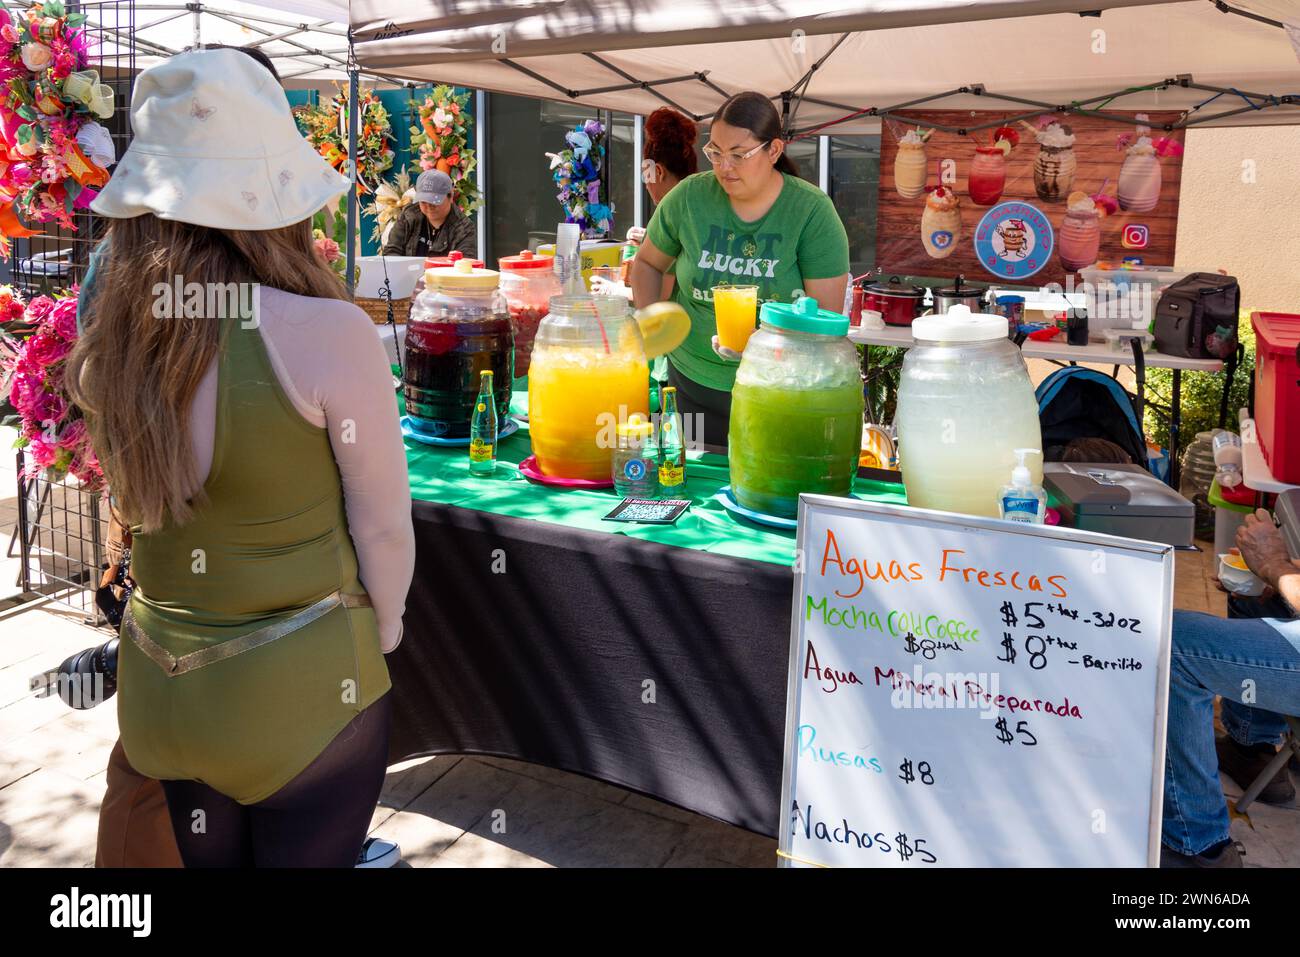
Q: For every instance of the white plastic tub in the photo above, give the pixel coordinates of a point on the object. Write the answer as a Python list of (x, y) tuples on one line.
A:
[(1124, 298)]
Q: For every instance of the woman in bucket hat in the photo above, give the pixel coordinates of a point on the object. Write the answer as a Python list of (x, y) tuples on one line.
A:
[(243, 413)]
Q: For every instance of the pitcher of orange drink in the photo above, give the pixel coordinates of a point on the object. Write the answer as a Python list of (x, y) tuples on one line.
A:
[(589, 374)]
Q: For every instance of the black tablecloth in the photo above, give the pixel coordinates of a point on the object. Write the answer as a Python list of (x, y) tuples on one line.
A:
[(549, 659)]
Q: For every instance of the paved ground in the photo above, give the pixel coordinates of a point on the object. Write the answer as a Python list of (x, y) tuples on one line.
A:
[(445, 812)]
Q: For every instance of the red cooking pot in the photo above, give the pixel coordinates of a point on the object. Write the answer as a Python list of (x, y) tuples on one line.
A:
[(897, 302)]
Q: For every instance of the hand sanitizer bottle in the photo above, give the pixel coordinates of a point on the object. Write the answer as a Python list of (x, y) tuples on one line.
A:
[(1022, 500)]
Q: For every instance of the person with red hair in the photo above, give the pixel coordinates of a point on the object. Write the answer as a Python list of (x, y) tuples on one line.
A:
[(669, 154), (667, 158)]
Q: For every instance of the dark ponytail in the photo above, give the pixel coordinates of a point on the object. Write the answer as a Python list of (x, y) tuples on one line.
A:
[(755, 112), (670, 142)]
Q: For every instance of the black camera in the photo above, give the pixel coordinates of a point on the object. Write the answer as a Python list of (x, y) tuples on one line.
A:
[(84, 680)]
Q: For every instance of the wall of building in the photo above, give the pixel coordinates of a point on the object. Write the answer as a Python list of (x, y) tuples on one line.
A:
[(1240, 211)]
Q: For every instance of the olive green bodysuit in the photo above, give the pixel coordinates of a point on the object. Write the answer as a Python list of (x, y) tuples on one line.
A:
[(270, 543)]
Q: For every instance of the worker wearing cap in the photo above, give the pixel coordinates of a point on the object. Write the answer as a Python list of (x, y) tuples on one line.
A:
[(433, 225)]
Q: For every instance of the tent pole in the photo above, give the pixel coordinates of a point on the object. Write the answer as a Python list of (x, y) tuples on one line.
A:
[(481, 170), (824, 163), (606, 119), (354, 175), (638, 187)]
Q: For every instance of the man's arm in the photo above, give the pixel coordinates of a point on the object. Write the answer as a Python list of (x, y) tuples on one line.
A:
[(1261, 545), (396, 245), (465, 237)]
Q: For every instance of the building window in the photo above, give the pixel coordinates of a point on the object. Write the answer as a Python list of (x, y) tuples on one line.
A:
[(804, 153), (623, 176), (522, 210), (854, 188)]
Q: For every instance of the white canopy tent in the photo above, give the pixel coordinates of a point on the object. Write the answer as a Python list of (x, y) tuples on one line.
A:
[(306, 39), (831, 59)]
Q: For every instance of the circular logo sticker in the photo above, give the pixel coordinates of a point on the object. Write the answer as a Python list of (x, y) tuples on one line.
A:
[(1014, 240), (941, 239), (634, 470)]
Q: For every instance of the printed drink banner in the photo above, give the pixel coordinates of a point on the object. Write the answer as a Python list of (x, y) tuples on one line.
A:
[(1029, 202), (970, 692)]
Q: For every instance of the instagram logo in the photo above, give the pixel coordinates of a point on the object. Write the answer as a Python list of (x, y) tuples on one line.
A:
[(1135, 236)]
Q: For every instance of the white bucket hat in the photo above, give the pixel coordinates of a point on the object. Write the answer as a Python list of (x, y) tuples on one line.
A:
[(215, 145)]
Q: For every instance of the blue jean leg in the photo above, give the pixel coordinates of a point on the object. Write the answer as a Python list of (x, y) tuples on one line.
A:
[(1215, 656), (1249, 725), (1246, 724)]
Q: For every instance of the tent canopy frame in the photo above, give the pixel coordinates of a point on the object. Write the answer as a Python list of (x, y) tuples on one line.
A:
[(797, 93)]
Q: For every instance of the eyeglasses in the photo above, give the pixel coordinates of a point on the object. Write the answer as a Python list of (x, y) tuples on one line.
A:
[(716, 157)]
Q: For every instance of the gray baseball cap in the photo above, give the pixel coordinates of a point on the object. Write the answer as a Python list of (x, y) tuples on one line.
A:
[(433, 186)]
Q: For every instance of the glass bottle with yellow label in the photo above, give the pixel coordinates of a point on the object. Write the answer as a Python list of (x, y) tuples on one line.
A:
[(483, 429), (672, 451)]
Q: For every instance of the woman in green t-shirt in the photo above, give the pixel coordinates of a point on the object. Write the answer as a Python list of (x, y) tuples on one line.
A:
[(751, 220)]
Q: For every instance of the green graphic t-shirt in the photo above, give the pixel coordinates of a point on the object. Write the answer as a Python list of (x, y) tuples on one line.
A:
[(801, 237)]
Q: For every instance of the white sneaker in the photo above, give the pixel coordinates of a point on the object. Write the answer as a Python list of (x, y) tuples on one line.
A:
[(377, 852)]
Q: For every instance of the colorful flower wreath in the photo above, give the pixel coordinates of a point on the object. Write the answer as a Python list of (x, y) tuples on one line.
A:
[(48, 105), (326, 128), (35, 339), (576, 171), (440, 142)]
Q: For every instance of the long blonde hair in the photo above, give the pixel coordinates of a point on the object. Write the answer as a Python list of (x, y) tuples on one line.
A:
[(135, 375)]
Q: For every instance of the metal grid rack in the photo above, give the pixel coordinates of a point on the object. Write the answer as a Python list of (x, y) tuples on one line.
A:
[(61, 532), (61, 527)]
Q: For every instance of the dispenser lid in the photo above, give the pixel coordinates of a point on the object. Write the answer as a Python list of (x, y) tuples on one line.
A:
[(636, 427), (527, 259), (433, 262), (462, 277), (959, 324), (803, 315)]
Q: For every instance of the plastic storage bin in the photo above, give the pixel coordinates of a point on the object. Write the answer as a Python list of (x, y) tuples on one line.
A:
[(1120, 340), (1277, 392), (1124, 298)]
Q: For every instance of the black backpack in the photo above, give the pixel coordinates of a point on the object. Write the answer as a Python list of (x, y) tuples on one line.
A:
[(1196, 317)]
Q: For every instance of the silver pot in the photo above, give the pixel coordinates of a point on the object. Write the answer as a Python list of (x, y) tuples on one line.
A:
[(963, 294)]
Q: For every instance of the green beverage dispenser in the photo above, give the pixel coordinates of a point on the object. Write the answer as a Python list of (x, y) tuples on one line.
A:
[(796, 409)]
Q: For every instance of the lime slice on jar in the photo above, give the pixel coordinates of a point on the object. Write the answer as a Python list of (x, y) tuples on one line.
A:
[(664, 326)]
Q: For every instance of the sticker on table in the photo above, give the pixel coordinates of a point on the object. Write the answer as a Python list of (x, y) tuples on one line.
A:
[(1014, 240), (645, 511)]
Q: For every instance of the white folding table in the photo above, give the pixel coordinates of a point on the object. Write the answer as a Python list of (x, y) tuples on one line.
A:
[(1062, 353)]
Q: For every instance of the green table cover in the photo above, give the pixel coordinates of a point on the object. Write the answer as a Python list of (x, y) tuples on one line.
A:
[(441, 474)]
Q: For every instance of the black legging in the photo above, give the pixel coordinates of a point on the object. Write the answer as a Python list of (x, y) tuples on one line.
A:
[(709, 411), (319, 819)]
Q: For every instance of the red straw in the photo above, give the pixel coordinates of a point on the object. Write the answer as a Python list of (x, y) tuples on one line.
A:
[(603, 338)]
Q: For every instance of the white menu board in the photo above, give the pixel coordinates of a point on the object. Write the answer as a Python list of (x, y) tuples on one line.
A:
[(969, 692)]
